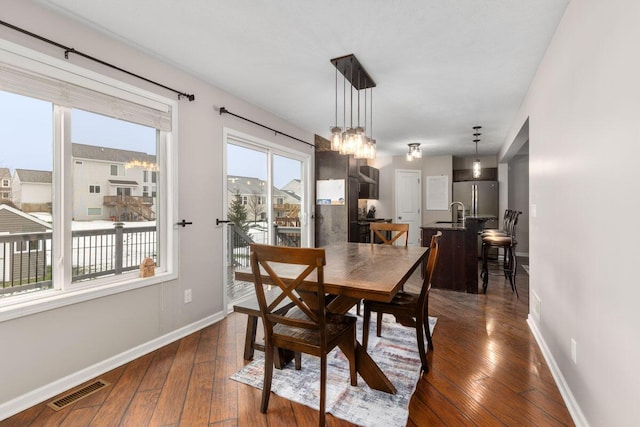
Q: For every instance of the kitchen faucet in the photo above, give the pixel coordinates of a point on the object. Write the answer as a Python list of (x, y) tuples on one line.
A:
[(457, 203)]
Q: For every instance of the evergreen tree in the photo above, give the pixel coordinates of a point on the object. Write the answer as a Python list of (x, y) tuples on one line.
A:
[(238, 213)]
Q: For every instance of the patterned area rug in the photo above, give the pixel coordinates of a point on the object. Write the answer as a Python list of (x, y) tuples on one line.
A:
[(396, 352)]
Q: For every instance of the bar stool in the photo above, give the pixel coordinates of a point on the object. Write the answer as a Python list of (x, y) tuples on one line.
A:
[(506, 223), (507, 242)]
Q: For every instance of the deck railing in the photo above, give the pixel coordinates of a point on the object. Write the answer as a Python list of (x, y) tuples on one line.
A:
[(26, 258)]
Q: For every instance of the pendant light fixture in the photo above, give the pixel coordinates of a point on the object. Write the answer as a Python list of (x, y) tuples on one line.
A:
[(353, 140), (477, 167)]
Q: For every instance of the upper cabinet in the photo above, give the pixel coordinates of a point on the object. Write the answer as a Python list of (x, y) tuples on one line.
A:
[(368, 182), (488, 174)]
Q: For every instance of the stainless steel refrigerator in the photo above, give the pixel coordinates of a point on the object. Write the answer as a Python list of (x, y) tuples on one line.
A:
[(479, 198)]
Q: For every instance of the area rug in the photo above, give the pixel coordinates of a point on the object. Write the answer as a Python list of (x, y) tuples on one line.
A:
[(396, 352)]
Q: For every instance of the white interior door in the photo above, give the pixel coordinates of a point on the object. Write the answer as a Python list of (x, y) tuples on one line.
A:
[(409, 201)]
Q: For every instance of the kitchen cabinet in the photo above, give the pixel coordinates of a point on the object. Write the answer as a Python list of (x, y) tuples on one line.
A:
[(457, 267), (369, 177)]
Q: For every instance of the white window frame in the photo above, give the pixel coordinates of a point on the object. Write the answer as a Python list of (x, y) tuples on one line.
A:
[(6, 183), (65, 292)]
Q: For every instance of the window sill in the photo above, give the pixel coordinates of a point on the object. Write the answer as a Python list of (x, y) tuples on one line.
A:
[(53, 299)]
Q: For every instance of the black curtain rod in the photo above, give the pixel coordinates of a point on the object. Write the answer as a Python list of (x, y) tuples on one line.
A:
[(225, 111), (68, 50)]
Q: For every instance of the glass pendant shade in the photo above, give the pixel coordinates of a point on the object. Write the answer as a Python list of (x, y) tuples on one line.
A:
[(336, 138), (477, 168)]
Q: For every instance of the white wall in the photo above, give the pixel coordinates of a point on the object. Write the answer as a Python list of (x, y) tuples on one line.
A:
[(429, 165), (583, 108), (44, 352)]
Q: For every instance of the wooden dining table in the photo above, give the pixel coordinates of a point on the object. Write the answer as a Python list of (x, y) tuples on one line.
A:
[(356, 271)]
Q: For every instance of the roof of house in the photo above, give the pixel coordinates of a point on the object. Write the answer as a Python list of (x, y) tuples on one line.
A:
[(93, 152), (34, 176), (5, 173), (15, 221)]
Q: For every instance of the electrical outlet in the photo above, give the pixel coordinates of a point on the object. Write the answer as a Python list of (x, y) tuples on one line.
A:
[(535, 305), (574, 350), (187, 296)]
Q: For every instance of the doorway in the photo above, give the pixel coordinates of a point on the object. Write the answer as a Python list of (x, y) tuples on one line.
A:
[(266, 201), (408, 202)]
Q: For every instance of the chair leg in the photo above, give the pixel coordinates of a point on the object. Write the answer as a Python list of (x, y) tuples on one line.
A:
[(420, 337), (379, 323), (250, 337), (268, 374), (323, 388), (366, 318), (351, 356), (485, 267), (514, 268)]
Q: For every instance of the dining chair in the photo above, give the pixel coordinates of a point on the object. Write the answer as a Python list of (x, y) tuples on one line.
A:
[(307, 327), (409, 309), (389, 233)]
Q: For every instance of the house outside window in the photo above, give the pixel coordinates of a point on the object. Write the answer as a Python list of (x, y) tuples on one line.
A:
[(117, 170), (60, 103)]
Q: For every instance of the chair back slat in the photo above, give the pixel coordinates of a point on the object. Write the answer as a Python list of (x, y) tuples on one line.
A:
[(397, 231), (430, 267), (309, 301)]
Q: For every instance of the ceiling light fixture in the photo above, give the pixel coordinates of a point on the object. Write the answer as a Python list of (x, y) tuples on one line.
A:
[(353, 141), (477, 168), (414, 152)]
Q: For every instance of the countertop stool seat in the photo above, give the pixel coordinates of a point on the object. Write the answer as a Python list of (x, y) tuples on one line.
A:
[(507, 242)]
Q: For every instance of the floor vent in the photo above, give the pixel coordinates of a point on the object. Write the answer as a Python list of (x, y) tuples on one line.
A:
[(70, 398)]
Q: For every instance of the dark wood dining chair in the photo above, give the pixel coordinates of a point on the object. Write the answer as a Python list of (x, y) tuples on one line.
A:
[(307, 327), (389, 233), (408, 308)]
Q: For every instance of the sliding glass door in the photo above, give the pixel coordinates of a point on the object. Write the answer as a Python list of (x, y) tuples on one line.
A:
[(266, 202)]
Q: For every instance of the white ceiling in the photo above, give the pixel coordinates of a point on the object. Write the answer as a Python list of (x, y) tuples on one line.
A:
[(441, 66)]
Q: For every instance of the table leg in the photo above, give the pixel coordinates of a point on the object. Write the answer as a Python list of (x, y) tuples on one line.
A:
[(371, 372), (367, 367)]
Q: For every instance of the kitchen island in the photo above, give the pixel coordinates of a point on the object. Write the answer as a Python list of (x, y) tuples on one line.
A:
[(457, 268)]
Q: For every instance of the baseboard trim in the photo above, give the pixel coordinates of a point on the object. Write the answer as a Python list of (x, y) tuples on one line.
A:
[(32, 398), (574, 409)]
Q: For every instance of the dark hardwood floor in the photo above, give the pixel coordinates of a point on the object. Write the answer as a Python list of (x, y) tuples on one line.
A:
[(486, 370)]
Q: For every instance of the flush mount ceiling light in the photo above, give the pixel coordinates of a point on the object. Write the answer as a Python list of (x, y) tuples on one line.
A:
[(353, 140), (477, 168), (414, 152)]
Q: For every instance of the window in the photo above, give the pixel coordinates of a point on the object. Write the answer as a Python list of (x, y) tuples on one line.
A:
[(245, 200), (153, 177), (117, 170), (5, 183), (26, 246), (145, 191), (42, 103), (5, 195), (145, 176)]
